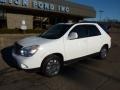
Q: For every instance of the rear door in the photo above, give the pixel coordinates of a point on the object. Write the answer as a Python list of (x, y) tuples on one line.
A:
[(94, 39)]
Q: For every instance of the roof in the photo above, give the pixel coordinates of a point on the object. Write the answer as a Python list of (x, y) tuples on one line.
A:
[(102, 25)]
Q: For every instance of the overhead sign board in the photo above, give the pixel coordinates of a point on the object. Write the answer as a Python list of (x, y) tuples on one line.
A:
[(37, 4)]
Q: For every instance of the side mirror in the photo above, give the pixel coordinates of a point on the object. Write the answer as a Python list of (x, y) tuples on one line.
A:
[(72, 36)]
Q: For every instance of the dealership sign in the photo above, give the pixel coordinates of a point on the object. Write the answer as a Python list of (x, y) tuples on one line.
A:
[(37, 5)]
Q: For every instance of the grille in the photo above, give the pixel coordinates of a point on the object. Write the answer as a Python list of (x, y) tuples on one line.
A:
[(17, 48)]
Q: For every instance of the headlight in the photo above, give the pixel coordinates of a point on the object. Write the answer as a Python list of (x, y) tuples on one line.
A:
[(29, 51)]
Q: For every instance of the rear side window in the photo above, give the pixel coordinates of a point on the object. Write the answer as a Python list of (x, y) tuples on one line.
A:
[(93, 31)]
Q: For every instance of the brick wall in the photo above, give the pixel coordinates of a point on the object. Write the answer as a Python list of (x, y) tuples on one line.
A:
[(15, 20)]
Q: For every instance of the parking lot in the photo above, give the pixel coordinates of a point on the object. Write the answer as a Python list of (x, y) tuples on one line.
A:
[(87, 74)]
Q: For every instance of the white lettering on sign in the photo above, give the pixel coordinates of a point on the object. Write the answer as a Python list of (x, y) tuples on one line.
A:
[(46, 6), (17, 2), (67, 9), (38, 5), (25, 2), (34, 4), (52, 7), (3, 1), (10, 1), (63, 9), (43, 6)]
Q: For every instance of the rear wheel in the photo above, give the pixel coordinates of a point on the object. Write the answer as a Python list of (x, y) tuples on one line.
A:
[(51, 66), (103, 53)]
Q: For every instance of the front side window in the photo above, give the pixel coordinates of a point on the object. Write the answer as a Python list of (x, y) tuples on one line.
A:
[(81, 31)]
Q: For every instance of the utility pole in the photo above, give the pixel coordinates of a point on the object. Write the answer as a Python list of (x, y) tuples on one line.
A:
[(101, 13)]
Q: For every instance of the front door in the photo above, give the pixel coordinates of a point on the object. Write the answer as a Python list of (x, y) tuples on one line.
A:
[(77, 47)]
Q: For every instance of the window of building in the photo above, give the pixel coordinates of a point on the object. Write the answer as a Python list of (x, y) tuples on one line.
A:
[(3, 21), (40, 22)]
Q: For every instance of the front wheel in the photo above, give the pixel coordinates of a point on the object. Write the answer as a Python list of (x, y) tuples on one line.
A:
[(51, 66), (103, 53)]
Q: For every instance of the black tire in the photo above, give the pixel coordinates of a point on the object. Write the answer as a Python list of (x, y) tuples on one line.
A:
[(51, 66), (103, 53)]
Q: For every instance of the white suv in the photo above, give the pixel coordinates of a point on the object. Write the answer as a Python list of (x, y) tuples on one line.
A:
[(62, 42)]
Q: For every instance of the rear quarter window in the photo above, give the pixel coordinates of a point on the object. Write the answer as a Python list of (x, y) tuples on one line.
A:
[(105, 27)]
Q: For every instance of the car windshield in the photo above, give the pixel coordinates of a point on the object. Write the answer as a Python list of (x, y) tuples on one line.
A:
[(56, 31)]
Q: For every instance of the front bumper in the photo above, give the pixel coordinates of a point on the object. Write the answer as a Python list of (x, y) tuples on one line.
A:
[(28, 62)]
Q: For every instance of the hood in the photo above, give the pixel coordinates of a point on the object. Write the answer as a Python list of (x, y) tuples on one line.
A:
[(34, 40)]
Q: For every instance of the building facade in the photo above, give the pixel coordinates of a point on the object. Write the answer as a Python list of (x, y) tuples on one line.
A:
[(41, 13)]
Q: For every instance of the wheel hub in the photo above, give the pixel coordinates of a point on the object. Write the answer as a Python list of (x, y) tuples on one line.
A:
[(53, 67)]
